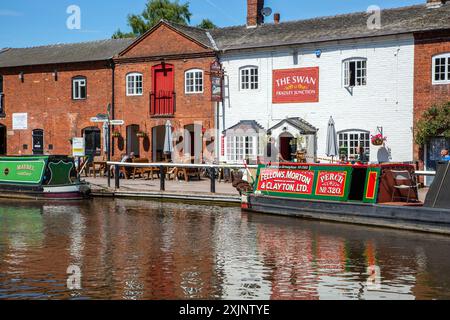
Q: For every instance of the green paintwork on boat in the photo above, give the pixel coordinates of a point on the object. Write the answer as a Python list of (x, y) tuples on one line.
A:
[(22, 170), (316, 182), (36, 170)]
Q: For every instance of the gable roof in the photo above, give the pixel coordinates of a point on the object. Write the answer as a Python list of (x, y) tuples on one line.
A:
[(63, 53), (412, 19), (198, 35), (347, 26), (246, 125), (301, 125)]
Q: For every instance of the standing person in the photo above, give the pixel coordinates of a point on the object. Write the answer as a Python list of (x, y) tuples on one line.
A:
[(445, 155), (362, 157)]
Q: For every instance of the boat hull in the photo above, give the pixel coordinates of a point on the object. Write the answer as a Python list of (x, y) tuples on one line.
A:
[(399, 217), (67, 192)]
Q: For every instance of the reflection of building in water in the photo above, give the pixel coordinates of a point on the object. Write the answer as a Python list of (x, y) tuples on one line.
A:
[(290, 257), (238, 261)]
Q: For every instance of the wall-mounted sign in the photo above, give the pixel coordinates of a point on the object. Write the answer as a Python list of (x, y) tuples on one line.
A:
[(78, 147), (216, 81), (20, 121), (296, 85), (216, 88)]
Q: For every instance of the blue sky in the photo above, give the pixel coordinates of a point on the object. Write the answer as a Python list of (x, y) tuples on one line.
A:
[(25, 23)]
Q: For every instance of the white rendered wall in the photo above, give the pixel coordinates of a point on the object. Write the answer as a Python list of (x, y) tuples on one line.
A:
[(386, 101)]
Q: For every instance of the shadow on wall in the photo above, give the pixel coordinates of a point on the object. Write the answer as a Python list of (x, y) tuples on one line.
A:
[(383, 155)]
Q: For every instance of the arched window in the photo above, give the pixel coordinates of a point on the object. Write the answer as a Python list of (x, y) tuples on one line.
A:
[(355, 72), (79, 88), (249, 78), (134, 84), (194, 81), (441, 69), (350, 140)]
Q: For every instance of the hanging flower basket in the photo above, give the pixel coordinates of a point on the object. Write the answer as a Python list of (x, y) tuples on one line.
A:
[(378, 140), (116, 134), (141, 134)]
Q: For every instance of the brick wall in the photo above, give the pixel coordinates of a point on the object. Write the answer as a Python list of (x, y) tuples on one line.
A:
[(426, 94), (163, 44), (50, 106), (135, 110)]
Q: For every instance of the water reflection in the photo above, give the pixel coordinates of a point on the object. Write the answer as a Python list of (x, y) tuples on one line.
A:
[(127, 249)]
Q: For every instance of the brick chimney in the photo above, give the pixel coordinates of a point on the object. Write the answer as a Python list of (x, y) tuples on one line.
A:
[(435, 3), (254, 14), (276, 18)]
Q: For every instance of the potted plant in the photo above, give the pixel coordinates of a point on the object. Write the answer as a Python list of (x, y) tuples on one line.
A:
[(141, 134), (378, 140)]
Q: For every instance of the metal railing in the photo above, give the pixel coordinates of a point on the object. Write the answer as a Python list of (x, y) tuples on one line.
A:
[(210, 169), (163, 103), (426, 173)]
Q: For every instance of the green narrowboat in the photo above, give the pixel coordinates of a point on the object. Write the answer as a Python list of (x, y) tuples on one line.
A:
[(382, 195), (41, 177)]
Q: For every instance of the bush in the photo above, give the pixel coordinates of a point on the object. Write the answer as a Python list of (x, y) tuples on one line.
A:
[(434, 122)]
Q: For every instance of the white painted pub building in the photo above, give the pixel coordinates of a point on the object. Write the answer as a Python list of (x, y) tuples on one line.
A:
[(285, 80)]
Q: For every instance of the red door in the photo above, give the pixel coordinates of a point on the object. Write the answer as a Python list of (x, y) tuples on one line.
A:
[(163, 94)]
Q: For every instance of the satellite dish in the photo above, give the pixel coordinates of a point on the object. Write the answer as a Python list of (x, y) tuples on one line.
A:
[(266, 11)]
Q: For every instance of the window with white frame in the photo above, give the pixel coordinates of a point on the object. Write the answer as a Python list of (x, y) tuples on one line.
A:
[(240, 148), (249, 78), (355, 72), (350, 141), (79, 88), (194, 81), (441, 69), (134, 84)]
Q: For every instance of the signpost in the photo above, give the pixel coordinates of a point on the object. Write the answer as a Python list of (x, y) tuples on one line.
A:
[(107, 123)]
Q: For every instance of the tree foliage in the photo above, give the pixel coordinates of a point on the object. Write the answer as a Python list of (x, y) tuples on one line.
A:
[(154, 11), (434, 122), (207, 24)]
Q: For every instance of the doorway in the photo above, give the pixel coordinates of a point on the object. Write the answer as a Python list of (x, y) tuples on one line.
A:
[(3, 135), (92, 136), (288, 146), (133, 140), (163, 93), (38, 141), (193, 142)]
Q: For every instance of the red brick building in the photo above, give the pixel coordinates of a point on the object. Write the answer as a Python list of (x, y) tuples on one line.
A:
[(431, 86), (164, 76), (58, 89), (49, 94)]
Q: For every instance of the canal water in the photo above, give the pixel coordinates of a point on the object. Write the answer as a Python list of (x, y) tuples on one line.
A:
[(129, 249)]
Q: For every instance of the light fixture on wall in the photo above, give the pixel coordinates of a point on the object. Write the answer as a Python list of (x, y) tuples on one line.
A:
[(318, 53), (21, 76), (55, 75)]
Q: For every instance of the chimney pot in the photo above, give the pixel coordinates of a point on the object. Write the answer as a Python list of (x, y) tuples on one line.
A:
[(254, 13), (277, 18), (435, 3)]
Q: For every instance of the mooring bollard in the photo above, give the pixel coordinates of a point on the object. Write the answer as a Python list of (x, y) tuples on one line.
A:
[(162, 174), (117, 176), (212, 176)]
